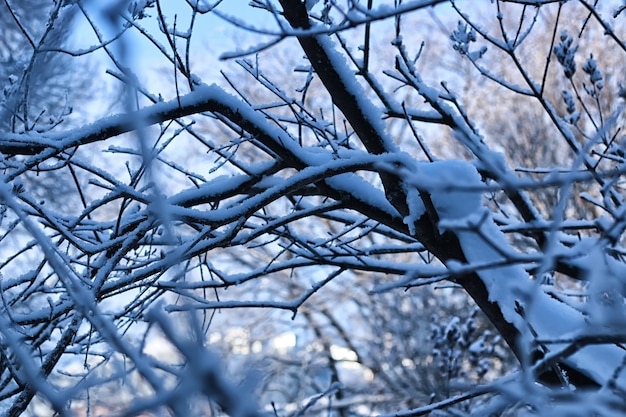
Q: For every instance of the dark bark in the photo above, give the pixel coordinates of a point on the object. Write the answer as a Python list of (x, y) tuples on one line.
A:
[(445, 246)]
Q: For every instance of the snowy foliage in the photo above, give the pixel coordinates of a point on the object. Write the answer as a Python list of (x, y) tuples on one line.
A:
[(565, 53)]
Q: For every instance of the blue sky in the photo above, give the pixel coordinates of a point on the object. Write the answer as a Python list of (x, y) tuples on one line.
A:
[(212, 35)]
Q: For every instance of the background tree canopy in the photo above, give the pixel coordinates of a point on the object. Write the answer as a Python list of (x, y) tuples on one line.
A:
[(324, 208)]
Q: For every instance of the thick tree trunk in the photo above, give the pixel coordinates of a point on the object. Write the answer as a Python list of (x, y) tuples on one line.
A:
[(444, 246)]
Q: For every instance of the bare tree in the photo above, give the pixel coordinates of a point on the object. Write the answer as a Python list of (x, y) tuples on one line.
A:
[(278, 192)]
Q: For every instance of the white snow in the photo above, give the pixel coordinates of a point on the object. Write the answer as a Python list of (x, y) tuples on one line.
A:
[(455, 188)]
